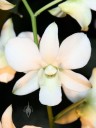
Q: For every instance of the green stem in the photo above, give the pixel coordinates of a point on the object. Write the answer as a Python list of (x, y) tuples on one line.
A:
[(50, 116), (68, 109), (33, 20), (46, 7)]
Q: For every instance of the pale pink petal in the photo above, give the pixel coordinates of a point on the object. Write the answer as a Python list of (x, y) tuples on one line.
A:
[(3, 61), (27, 84), (7, 74), (5, 77), (7, 118), (85, 123), (74, 52), (50, 90), (91, 4), (57, 12), (87, 114), (79, 11), (31, 126), (22, 54), (68, 117), (28, 35), (7, 32), (5, 5), (74, 85), (93, 78), (0, 125), (49, 44)]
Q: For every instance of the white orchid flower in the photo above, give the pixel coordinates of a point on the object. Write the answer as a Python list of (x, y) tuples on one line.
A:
[(6, 72), (80, 10), (48, 67), (7, 122), (5, 5), (85, 111)]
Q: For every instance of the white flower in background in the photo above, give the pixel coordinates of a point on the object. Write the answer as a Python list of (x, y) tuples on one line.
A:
[(48, 67), (5, 5), (85, 111), (27, 126), (6, 120), (80, 10), (7, 32)]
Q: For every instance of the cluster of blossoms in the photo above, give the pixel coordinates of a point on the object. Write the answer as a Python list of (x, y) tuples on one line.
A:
[(48, 67)]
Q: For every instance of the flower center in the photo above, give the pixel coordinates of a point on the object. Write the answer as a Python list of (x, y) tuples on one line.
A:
[(50, 70)]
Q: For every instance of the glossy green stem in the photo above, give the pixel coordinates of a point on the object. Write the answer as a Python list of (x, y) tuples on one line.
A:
[(33, 20), (68, 109), (46, 7), (50, 116)]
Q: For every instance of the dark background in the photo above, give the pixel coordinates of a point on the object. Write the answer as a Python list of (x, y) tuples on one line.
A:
[(67, 26)]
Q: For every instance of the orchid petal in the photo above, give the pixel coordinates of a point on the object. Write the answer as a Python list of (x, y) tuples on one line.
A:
[(22, 54), (28, 35), (0, 125), (31, 126), (3, 61), (75, 51), (90, 97), (5, 5), (7, 32), (27, 84), (7, 118), (79, 11), (50, 90), (87, 115), (93, 78), (57, 12), (68, 117), (86, 123), (74, 85), (91, 4), (49, 41), (6, 74)]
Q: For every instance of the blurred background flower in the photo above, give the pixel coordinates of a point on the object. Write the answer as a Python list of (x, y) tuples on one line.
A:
[(86, 111), (6, 72)]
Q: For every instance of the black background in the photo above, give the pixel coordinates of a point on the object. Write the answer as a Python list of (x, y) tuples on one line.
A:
[(67, 26)]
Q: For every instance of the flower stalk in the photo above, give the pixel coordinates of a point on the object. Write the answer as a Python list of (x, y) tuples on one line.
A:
[(46, 7), (33, 20), (50, 116), (69, 108)]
